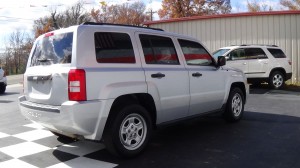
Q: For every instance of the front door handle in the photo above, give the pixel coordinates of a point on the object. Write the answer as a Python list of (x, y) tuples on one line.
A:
[(244, 63), (158, 75), (197, 74)]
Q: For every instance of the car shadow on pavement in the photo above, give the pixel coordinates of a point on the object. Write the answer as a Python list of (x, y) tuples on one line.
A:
[(259, 140), (9, 93), (5, 101), (259, 89), (264, 88)]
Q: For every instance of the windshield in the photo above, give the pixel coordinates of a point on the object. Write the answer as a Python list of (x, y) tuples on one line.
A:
[(54, 49), (219, 52)]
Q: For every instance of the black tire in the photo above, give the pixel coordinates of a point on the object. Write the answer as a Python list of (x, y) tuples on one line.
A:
[(276, 80), (128, 118), (2, 88), (61, 135), (235, 105)]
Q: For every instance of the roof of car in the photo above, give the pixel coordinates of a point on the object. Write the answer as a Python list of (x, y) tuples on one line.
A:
[(249, 46), (137, 28), (123, 25)]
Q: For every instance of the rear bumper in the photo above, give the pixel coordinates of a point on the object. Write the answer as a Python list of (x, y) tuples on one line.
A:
[(72, 118)]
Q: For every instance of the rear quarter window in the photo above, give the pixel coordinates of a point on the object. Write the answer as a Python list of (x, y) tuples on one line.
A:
[(277, 53), (113, 48)]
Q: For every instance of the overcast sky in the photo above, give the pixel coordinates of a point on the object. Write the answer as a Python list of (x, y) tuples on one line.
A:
[(20, 14)]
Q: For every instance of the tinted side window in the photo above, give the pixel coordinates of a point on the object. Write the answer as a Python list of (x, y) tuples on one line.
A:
[(238, 54), (113, 48), (255, 53), (195, 53), (277, 53), (158, 50)]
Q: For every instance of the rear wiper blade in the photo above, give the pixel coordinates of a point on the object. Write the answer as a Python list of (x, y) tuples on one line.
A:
[(45, 60)]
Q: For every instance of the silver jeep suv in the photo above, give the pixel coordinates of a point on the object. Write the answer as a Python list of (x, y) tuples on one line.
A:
[(260, 63), (117, 83)]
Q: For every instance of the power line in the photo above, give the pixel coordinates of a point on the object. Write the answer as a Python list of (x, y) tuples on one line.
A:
[(15, 18), (45, 5)]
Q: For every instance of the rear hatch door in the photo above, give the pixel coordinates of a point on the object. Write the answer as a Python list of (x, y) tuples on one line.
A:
[(46, 77)]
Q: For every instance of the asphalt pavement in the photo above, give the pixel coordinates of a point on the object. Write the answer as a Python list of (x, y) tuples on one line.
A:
[(267, 136), (14, 79)]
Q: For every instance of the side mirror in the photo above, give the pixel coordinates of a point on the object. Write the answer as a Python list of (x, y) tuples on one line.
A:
[(221, 61)]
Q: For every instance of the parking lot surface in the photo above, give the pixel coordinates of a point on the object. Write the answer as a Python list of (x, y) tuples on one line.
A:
[(267, 136)]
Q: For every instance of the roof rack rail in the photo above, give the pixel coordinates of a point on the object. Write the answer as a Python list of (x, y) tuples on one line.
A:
[(259, 45), (111, 24)]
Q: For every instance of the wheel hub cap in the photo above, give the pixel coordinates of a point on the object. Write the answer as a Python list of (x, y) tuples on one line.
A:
[(277, 80), (237, 104), (133, 131)]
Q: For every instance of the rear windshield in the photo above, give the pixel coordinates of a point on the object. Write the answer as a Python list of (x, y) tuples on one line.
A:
[(54, 49), (277, 53)]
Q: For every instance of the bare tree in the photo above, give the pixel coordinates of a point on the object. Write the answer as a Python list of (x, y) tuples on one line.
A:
[(254, 6), (131, 14), (187, 8), (16, 52), (101, 15), (73, 15), (291, 4)]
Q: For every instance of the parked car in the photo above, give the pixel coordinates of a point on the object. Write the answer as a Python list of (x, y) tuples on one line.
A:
[(260, 63), (117, 83), (3, 81)]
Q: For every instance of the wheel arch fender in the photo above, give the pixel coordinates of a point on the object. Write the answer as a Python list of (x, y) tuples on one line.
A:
[(239, 84), (108, 95), (280, 69), (113, 105)]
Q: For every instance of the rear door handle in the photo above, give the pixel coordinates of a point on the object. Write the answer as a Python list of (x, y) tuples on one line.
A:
[(158, 75), (197, 74), (244, 63)]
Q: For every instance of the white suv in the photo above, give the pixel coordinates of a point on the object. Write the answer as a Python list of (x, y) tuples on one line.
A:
[(260, 63), (3, 81), (116, 83)]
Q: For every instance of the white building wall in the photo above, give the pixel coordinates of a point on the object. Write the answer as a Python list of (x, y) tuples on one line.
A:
[(282, 30)]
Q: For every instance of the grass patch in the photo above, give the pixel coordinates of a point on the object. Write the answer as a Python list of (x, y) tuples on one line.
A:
[(292, 85)]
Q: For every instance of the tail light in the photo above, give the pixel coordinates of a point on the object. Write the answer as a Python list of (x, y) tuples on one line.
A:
[(77, 85), (4, 74), (49, 34)]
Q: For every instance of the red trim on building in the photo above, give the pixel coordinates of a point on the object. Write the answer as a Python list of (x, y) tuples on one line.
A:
[(223, 16)]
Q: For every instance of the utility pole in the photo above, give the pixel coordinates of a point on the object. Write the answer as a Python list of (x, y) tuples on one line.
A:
[(151, 14)]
